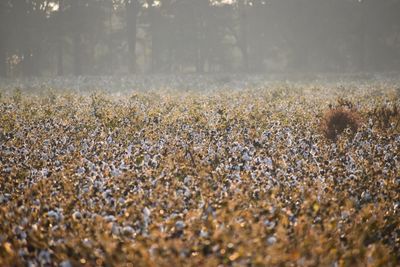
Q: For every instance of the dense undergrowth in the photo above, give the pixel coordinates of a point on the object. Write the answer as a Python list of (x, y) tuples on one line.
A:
[(183, 178)]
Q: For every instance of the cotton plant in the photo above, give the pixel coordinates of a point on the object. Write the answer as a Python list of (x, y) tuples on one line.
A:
[(171, 176)]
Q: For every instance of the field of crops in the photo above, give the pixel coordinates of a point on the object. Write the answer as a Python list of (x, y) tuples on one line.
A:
[(253, 176)]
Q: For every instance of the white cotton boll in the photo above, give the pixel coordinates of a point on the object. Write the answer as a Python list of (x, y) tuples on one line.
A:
[(107, 194), (127, 231), (44, 257), (109, 218), (54, 214), (146, 215), (76, 216), (180, 225), (115, 229), (187, 193), (129, 150), (204, 234), (115, 172), (246, 157), (187, 180), (65, 263), (269, 163), (271, 240), (80, 170), (366, 196)]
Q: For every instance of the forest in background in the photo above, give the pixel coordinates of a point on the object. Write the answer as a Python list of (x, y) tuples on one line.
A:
[(109, 37)]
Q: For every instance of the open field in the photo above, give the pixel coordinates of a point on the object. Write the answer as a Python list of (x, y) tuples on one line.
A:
[(243, 177)]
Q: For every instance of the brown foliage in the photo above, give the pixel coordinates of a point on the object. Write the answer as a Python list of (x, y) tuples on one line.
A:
[(336, 120), (341, 102), (385, 116), (169, 178)]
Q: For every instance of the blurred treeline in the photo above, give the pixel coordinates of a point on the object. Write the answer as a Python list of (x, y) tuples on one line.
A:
[(106, 37)]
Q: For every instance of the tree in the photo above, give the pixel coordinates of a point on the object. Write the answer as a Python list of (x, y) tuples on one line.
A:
[(60, 39), (75, 15), (132, 11), (243, 41), (3, 26), (97, 36)]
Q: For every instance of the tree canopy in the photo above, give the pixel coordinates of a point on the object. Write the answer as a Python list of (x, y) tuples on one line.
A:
[(105, 37)]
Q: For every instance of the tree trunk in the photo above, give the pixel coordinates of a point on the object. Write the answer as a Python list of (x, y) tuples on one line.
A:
[(77, 54), (3, 63), (243, 43), (153, 32), (60, 55), (132, 10), (3, 56), (76, 39), (362, 45), (199, 55), (200, 38), (27, 63), (110, 68), (60, 59)]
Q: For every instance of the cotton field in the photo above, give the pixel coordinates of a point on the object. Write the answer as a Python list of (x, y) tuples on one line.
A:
[(241, 173)]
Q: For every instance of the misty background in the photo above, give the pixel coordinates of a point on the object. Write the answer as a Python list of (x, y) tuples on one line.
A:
[(121, 37)]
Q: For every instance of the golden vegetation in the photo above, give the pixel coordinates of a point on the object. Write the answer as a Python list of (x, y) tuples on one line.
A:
[(230, 178)]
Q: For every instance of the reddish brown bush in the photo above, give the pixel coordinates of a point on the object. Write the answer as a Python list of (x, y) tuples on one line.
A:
[(336, 120)]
